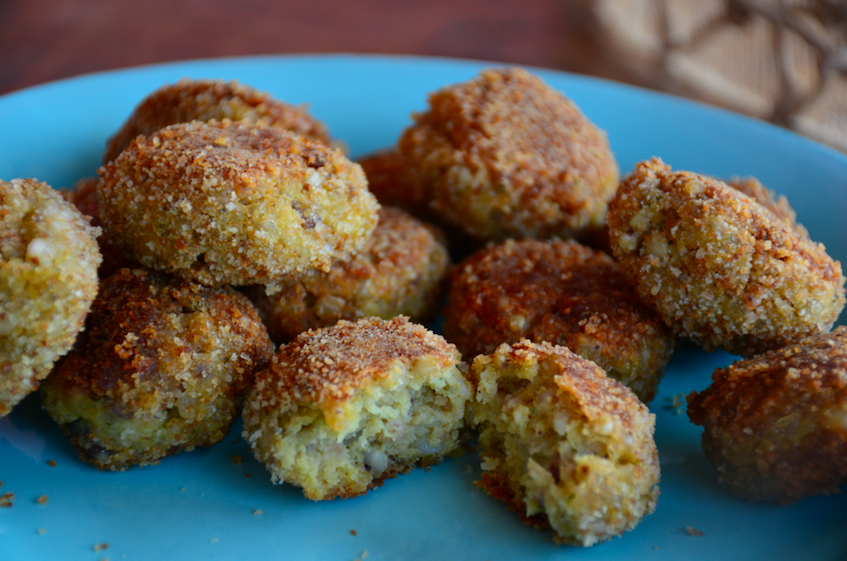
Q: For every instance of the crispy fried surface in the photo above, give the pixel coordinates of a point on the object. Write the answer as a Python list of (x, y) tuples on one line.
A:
[(563, 444), (719, 267), (48, 279), (84, 197), (340, 409), (775, 425), (234, 203), (399, 271), (207, 100), (504, 155), (563, 293), (162, 366)]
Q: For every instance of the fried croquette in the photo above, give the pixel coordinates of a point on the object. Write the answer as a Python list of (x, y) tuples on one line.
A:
[(563, 444), (206, 100), (341, 409), (718, 266), (84, 197), (163, 366), (48, 279), (234, 203), (399, 271), (775, 425), (563, 293), (505, 155)]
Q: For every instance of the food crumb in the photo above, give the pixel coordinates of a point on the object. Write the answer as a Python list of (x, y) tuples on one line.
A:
[(677, 403), (365, 554), (237, 440), (246, 475), (52, 463), (6, 500), (182, 489), (42, 500), (42, 530), (214, 540), (236, 459), (692, 531), (655, 547), (101, 546), (354, 533), (258, 512), (428, 469)]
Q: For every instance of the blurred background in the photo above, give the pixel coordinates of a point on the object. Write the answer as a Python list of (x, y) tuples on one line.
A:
[(783, 61)]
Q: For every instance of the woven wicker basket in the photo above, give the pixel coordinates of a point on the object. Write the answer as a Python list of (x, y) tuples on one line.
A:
[(780, 60)]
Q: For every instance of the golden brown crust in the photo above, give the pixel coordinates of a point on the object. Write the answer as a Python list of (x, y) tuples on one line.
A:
[(48, 279), (505, 155), (84, 197), (207, 100), (563, 444), (343, 408), (719, 267), (563, 293), (169, 359), (399, 271), (775, 425), (234, 203), (325, 366)]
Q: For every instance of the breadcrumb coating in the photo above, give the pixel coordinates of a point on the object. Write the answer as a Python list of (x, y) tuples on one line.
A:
[(48, 279), (340, 409), (563, 293), (505, 155), (399, 271), (84, 197), (775, 425), (562, 444), (718, 266), (234, 203), (207, 100), (163, 366)]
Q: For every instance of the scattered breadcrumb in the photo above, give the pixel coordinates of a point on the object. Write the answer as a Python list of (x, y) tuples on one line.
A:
[(101, 546), (214, 540), (692, 531), (246, 475), (363, 556), (182, 489), (677, 403), (236, 459), (42, 500), (52, 463), (258, 512), (42, 530), (6, 500), (353, 533)]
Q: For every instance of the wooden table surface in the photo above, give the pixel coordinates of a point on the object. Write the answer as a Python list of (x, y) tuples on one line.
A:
[(44, 40)]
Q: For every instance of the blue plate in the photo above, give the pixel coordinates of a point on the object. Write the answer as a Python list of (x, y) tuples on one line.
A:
[(205, 505)]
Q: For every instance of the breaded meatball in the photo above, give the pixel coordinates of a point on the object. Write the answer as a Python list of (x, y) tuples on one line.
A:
[(563, 444), (206, 100), (718, 266), (398, 272), (505, 155), (84, 197), (162, 366), (48, 279), (341, 409), (563, 293), (775, 425), (234, 203)]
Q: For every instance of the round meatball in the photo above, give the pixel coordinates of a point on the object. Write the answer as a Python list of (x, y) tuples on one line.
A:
[(48, 279), (399, 271), (775, 425), (162, 366), (234, 203), (563, 293), (207, 100), (84, 197), (505, 155), (562, 444), (341, 409), (721, 268)]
